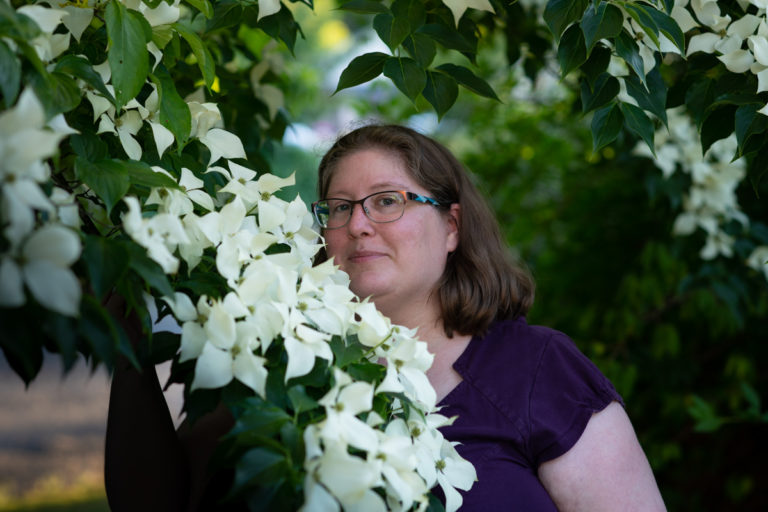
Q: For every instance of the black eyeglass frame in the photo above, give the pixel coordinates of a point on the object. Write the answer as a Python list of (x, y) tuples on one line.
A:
[(409, 196)]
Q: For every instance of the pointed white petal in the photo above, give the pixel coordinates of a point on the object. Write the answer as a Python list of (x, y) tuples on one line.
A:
[(193, 340), (301, 359), (55, 244), (11, 284), (249, 369), (213, 368), (268, 8), (54, 287), (163, 137), (222, 143)]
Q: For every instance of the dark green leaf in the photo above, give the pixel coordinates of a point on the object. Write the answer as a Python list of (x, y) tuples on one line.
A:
[(627, 50), (225, 15), (390, 29), (128, 33), (412, 11), (204, 6), (363, 7), (603, 21), (571, 52), (56, 91), (640, 13), (606, 125), (422, 48), (17, 25), (107, 183), (469, 80), (441, 92), (174, 111), (448, 37), (718, 124), (24, 355), (89, 146), (704, 414), (259, 466), (99, 330), (345, 353), (149, 270), (10, 74), (259, 417), (558, 14), (748, 122), (362, 69), (654, 98), (204, 59), (407, 75), (369, 372), (668, 27), (300, 400), (605, 89), (138, 173), (281, 26), (596, 64), (81, 68), (106, 260), (639, 123)]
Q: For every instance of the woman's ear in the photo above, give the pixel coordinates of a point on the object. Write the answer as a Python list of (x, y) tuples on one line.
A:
[(454, 225)]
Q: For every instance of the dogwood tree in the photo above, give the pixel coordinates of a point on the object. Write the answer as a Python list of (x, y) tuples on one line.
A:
[(130, 164)]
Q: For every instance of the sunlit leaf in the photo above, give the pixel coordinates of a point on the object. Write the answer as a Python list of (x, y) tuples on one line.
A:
[(128, 34)]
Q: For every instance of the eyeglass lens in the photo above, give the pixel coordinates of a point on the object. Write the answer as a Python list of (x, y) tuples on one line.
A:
[(379, 207)]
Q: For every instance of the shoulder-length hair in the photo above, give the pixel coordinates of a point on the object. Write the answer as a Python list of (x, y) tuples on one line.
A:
[(481, 283)]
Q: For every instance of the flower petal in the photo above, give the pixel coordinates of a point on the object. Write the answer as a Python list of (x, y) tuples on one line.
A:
[(213, 368), (11, 284), (54, 287), (55, 244)]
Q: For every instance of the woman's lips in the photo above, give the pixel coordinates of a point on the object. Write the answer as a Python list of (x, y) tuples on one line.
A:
[(364, 256)]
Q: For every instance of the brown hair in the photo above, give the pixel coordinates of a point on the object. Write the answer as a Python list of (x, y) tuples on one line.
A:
[(480, 283)]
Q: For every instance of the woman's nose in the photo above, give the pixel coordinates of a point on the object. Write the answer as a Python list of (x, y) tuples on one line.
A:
[(359, 223)]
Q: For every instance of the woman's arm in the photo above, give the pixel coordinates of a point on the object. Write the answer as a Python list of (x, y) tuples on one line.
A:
[(605, 470)]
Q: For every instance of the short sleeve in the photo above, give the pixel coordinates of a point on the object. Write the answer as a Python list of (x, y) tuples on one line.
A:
[(567, 390)]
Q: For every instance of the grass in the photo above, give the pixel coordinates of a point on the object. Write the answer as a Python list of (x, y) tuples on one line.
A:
[(52, 494)]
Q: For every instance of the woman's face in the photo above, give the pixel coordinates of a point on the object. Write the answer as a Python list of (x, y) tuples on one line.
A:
[(397, 263)]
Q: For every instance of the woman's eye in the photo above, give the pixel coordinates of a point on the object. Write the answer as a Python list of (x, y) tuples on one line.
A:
[(385, 201), (341, 208)]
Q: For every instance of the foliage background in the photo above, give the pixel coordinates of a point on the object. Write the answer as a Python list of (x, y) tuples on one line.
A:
[(683, 339)]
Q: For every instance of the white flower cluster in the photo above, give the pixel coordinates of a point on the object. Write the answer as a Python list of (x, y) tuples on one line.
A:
[(36, 225), (281, 298), (711, 201), (726, 37)]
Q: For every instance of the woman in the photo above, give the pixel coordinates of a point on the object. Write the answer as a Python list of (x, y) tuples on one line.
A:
[(543, 427)]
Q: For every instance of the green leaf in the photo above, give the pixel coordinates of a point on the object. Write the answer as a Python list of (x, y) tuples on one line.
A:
[(407, 75), (748, 122), (259, 417), (605, 89), (668, 26), (412, 11), (99, 330), (606, 125), (23, 355), (717, 124), (390, 29), (281, 26), (469, 80), (174, 111), (204, 6), (89, 146), (603, 21), (106, 261), (139, 173), (107, 183), (571, 52), (149, 270), (639, 123), (162, 35), (81, 68), (596, 64), (704, 414), (558, 14), (421, 47), (57, 92), (627, 49), (259, 465), (345, 353), (10, 74), (362, 69), (654, 98), (204, 59), (640, 13), (128, 33), (225, 15), (300, 400), (448, 37), (363, 7), (441, 92)]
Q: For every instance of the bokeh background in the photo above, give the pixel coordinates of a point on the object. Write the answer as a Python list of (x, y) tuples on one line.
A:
[(683, 338)]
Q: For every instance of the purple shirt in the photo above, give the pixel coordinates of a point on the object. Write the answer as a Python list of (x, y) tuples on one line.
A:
[(526, 397)]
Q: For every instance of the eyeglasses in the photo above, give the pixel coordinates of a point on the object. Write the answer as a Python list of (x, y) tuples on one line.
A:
[(380, 207)]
